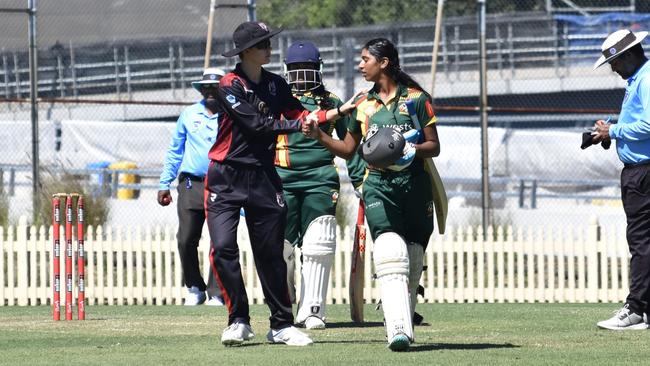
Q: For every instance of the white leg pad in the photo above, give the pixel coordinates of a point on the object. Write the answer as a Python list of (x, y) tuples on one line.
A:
[(290, 258), (318, 247), (416, 262), (391, 260)]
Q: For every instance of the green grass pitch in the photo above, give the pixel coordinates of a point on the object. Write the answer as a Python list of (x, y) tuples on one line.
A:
[(455, 334)]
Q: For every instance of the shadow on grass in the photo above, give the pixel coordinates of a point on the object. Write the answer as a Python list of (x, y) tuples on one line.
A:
[(354, 325), (352, 341), (458, 346)]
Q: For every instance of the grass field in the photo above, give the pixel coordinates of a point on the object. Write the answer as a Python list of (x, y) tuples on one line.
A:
[(456, 334)]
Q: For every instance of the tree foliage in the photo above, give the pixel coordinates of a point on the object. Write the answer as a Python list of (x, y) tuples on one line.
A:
[(301, 14)]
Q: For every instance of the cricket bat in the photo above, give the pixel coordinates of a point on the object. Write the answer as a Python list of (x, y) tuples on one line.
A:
[(437, 188), (357, 266)]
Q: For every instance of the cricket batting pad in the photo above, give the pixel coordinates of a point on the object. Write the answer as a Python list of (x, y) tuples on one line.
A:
[(391, 259), (318, 247), (416, 262), (290, 259)]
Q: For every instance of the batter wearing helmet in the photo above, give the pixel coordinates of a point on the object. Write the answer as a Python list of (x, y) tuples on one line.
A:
[(311, 186)]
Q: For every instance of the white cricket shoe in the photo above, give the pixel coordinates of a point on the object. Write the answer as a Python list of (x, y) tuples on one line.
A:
[(623, 319), (236, 333), (290, 336), (214, 301), (314, 322), (194, 296)]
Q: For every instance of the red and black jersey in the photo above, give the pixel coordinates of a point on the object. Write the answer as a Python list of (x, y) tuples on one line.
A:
[(252, 118)]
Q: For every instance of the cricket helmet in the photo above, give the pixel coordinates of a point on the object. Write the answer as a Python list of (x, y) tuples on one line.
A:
[(303, 66), (382, 148)]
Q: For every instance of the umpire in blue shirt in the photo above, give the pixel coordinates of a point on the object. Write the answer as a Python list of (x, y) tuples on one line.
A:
[(196, 131), (624, 53)]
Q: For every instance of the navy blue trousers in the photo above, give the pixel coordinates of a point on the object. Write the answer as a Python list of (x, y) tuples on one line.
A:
[(635, 192), (259, 191)]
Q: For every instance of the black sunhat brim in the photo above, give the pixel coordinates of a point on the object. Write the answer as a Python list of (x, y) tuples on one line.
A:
[(249, 44)]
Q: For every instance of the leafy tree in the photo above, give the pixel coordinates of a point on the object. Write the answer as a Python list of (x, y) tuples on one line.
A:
[(301, 14)]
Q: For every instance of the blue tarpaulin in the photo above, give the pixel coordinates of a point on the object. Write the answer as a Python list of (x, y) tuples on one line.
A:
[(585, 34)]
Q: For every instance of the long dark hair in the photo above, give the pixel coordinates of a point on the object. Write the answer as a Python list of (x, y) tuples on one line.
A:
[(382, 48)]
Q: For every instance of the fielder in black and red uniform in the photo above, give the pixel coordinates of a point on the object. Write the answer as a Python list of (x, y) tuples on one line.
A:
[(252, 102)]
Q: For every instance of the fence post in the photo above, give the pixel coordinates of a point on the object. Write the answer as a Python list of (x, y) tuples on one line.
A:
[(181, 67), (533, 195), (21, 251), (592, 260), (73, 72), (116, 62), (5, 72), (114, 183), (127, 72), (60, 76), (348, 67), (172, 82), (17, 76)]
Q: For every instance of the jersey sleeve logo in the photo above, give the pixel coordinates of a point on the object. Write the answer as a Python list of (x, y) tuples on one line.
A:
[(429, 108), (231, 98)]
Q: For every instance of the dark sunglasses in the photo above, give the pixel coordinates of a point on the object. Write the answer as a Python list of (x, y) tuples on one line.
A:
[(209, 87), (263, 45)]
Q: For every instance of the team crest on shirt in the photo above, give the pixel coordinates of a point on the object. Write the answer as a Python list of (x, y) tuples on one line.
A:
[(195, 126), (272, 88), (627, 94), (231, 99), (279, 198), (372, 130), (403, 109), (430, 209)]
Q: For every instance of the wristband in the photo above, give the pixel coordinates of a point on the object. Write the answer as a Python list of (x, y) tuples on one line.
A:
[(338, 110)]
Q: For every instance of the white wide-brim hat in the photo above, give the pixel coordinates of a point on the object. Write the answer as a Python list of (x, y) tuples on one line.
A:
[(617, 43), (211, 75)]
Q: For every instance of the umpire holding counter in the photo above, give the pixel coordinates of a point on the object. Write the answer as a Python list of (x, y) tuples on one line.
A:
[(624, 53), (242, 174)]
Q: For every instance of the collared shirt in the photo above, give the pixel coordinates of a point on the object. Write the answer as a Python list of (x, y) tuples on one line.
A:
[(297, 156), (632, 132), (195, 133), (252, 118), (371, 113)]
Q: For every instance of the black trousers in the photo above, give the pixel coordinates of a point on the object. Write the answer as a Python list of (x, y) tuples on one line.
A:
[(191, 216), (259, 192), (635, 191)]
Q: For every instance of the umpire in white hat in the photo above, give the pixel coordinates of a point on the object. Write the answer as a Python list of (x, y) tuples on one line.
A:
[(624, 53), (187, 158)]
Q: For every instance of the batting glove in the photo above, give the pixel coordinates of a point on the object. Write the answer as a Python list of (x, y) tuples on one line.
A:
[(408, 154), (413, 136)]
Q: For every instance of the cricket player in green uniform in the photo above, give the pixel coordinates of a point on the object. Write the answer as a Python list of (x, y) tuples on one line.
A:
[(398, 198), (311, 186)]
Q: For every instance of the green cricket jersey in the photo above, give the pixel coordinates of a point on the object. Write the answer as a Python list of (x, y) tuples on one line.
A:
[(371, 114), (396, 201), (303, 162)]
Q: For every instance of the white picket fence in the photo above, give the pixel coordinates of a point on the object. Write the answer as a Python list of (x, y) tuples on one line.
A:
[(141, 266)]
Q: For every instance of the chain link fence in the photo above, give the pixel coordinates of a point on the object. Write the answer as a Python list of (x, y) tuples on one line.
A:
[(114, 75)]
